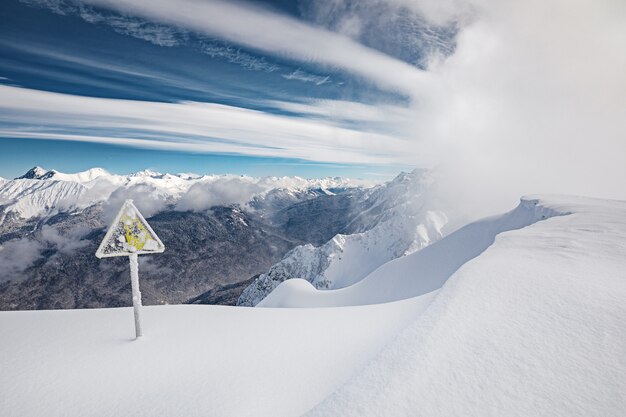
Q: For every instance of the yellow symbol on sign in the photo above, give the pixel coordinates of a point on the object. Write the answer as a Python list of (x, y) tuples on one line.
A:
[(136, 233)]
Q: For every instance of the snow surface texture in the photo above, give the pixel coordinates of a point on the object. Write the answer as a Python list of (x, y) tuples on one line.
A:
[(534, 326), (41, 193), (396, 221), (192, 360)]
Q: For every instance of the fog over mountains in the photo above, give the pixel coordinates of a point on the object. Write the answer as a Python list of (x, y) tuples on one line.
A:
[(222, 233)]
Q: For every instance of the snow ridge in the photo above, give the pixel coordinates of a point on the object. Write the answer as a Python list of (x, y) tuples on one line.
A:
[(422, 272), (533, 325), (33, 173), (393, 221)]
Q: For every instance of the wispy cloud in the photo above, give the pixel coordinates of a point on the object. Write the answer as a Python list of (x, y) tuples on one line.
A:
[(168, 23), (75, 59), (348, 111), (197, 127), (307, 77), (236, 56), (276, 34), (157, 34)]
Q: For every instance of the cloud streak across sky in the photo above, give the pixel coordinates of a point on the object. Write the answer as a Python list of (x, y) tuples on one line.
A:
[(276, 33), (196, 127)]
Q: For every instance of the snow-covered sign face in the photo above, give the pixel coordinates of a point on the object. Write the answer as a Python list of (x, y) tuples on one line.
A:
[(129, 233)]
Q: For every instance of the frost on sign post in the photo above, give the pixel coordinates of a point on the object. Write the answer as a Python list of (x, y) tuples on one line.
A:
[(131, 235)]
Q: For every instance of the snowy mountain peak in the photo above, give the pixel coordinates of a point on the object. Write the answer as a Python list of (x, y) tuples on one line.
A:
[(402, 177), (146, 173), (34, 173), (415, 177), (39, 173), (194, 192), (83, 176), (49, 174)]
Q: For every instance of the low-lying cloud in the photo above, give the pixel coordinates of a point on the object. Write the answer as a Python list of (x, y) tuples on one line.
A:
[(17, 255), (226, 192), (67, 242), (190, 127), (148, 199)]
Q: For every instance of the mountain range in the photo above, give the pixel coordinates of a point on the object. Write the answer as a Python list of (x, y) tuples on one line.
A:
[(223, 234)]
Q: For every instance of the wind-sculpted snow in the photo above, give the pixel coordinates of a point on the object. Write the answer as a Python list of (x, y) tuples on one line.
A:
[(417, 274), (532, 326), (346, 259), (391, 221)]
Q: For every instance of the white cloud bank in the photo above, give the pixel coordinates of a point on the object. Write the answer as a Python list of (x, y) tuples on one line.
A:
[(532, 101), (204, 195), (17, 255)]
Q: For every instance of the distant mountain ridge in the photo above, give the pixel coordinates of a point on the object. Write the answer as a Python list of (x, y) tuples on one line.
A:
[(41, 192), (219, 231)]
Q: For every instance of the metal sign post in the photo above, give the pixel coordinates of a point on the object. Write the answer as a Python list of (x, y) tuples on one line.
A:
[(134, 283), (131, 235)]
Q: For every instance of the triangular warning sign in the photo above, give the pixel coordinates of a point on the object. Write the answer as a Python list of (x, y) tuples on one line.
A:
[(129, 233)]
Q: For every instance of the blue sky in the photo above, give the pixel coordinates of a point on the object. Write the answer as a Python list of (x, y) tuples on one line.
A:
[(80, 156), (310, 88)]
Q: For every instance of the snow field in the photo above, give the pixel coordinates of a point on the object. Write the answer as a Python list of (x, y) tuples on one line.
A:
[(534, 326), (192, 361)]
